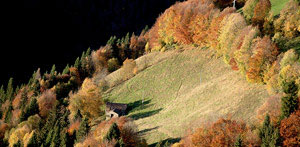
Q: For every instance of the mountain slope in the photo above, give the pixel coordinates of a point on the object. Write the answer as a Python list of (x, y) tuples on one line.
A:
[(184, 89)]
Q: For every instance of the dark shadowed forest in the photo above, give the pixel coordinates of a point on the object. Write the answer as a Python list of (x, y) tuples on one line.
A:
[(42, 33)]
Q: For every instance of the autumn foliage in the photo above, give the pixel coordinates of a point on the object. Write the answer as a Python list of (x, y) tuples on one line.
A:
[(88, 100), (264, 54), (46, 101), (127, 129), (261, 11), (223, 132), (290, 130)]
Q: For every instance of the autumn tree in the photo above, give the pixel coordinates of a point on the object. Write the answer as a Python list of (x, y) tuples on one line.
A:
[(46, 102), (290, 129), (88, 100), (261, 11), (224, 132), (248, 9), (265, 53), (232, 26)]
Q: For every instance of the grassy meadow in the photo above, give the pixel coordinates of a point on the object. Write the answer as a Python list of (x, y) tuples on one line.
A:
[(185, 89)]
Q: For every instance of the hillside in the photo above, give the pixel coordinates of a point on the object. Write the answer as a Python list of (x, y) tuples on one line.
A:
[(185, 88)]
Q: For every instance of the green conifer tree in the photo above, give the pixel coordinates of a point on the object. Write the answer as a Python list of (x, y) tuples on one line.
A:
[(88, 52), (83, 129), (33, 142), (2, 94), (48, 138), (8, 114), (77, 63), (18, 144), (238, 142), (9, 90), (113, 133), (55, 142), (289, 103), (66, 70), (32, 109), (53, 70), (268, 134)]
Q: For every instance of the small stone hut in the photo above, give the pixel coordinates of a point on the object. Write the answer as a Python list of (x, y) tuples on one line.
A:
[(114, 110)]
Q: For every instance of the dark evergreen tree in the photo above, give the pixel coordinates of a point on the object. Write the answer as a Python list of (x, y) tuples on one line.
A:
[(8, 114), (55, 142), (18, 144), (23, 100), (64, 139), (289, 103), (47, 129), (78, 115), (77, 63), (88, 52), (32, 109), (66, 70), (9, 90), (53, 70), (113, 133), (83, 129), (268, 134), (33, 142), (48, 140), (238, 142), (2, 94)]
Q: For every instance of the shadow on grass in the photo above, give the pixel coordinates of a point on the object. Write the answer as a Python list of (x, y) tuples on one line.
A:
[(138, 105), (144, 114), (142, 132), (165, 143)]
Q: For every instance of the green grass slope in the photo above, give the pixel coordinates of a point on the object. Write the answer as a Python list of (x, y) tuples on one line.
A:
[(182, 90), (277, 6)]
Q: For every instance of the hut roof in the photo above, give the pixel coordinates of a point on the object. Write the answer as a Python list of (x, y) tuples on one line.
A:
[(116, 106)]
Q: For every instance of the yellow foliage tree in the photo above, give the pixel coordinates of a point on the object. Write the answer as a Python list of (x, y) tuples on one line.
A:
[(88, 100)]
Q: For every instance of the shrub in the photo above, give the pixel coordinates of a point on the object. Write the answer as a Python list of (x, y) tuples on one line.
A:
[(113, 64), (129, 69), (123, 130)]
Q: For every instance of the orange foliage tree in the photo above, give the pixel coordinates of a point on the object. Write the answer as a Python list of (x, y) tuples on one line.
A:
[(224, 132), (290, 130), (46, 102), (264, 54), (261, 11)]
